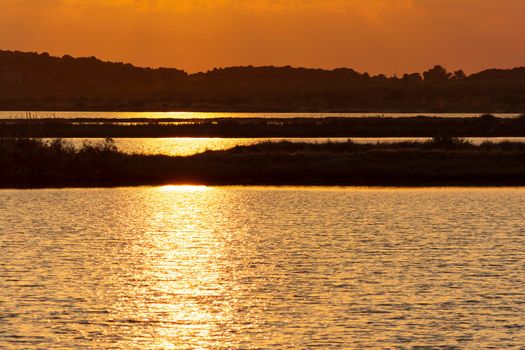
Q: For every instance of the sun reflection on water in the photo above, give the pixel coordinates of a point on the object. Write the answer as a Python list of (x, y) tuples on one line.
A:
[(182, 291), (183, 188)]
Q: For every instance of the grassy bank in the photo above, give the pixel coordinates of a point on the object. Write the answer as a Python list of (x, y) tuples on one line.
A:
[(31, 163), (483, 126)]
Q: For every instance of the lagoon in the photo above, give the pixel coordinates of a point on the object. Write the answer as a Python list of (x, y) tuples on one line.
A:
[(212, 115), (262, 267)]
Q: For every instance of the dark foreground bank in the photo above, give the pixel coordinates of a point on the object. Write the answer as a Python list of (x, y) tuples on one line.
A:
[(30, 163)]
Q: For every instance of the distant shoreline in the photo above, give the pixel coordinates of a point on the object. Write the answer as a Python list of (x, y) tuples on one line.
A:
[(31, 81), (29, 163)]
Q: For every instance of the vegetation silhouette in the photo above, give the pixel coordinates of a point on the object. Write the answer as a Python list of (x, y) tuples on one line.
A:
[(31, 163), (31, 81), (486, 125)]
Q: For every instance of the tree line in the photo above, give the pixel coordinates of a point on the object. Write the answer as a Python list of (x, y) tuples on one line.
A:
[(33, 81)]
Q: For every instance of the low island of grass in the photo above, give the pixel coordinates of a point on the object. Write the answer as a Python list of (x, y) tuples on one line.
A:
[(486, 125), (33, 163)]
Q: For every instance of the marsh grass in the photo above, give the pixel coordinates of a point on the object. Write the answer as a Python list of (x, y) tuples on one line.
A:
[(483, 126), (440, 161)]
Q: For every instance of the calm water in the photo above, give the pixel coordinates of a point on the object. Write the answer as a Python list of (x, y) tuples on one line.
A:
[(210, 268), (207, 115), (181, 146)]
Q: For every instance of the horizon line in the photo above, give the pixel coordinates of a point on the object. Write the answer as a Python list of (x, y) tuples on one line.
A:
[(52, 55)]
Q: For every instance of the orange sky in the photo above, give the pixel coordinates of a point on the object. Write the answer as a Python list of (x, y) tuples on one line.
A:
[(390, 36)]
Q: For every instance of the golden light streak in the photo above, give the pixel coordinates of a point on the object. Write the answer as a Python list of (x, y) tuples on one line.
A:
[(183, 188)]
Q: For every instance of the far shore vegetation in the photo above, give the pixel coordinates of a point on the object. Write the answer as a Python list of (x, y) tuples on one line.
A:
[(32, 81), (486, 125), (441, 161)]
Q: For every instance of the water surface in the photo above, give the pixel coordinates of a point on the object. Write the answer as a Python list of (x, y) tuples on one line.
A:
[(208, 115), (242, 267)]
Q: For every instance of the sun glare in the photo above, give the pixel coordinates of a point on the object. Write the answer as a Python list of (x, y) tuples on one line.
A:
[(183, 188)]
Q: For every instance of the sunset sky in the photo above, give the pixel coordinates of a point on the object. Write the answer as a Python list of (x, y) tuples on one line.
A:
[(377, 36)]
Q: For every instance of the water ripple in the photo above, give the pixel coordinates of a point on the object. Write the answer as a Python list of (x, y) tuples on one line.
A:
[(240, 267)]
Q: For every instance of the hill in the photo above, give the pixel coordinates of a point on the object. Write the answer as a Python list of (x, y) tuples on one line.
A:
[(32, 81)]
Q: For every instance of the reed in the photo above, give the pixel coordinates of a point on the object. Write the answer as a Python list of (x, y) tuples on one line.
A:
[(29, 163)]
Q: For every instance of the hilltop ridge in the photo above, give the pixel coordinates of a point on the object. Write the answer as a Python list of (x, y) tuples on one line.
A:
[(38, 81)]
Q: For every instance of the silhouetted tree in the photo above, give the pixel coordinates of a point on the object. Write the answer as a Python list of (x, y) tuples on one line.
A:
[(459, 75), (438, 73), (413, 77)]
